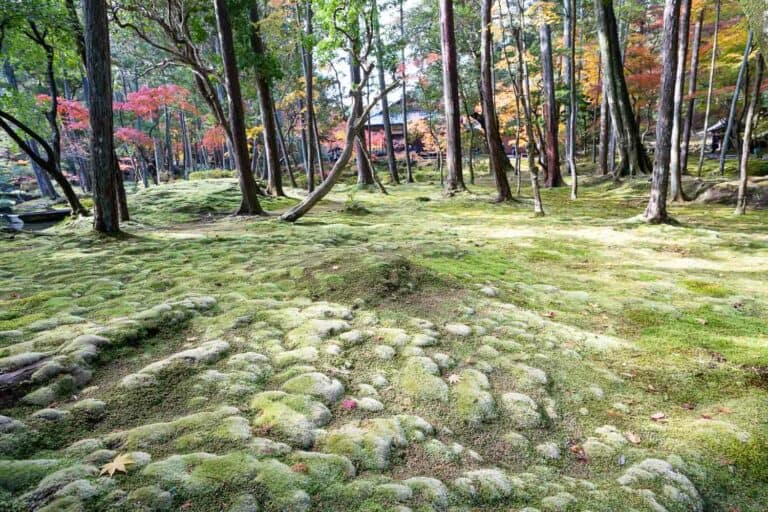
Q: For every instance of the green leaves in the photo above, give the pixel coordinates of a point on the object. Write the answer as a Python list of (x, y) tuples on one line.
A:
[(757, 14)]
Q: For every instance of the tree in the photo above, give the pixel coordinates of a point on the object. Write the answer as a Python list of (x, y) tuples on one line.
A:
[(263, 67), (570, 80), (692, 79), (675, 168), (656, 212), (709, 86), (391, 163), (404, 101), (103, 163), (454, 177), (633, 158), (249, 204), (551, 117), (741, 200), (734, 102), (496, 155), (309, 108)]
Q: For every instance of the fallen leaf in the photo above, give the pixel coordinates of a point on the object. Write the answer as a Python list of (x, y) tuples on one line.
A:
[(550, 314), (724, 410), (706, 417), (658, 416), (300, 467), (702, 321), (117, 465), (453, 378), (632, 437), (687, 406)]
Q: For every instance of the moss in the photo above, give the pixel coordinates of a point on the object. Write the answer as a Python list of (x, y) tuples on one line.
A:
[(17, 475)]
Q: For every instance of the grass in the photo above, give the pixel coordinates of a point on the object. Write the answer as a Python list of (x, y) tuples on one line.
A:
[(691, 301)]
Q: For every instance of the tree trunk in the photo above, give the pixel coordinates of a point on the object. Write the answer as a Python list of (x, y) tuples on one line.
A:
[(522, 73), (675, 168), (741, 201), (103, 163), (364, 174), (309, 110), (404, 101), (454, 177), (606, 133), (709, 87), (391, 163), (734, 102), (570, 80), (264, 89), (633, 158), (496, 155), (250, 190), (551, 118), (692, 82), (656, 212), (283, 148)]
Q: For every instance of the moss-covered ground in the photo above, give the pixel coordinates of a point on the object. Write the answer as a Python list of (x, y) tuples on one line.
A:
[(398, 352)]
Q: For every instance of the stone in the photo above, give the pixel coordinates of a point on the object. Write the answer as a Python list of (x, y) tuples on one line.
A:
[(394, 492), (299, 355), (662, 486), (488, 485), (429, 489), (90, 408), (460, 330), (379, 381), (367, 390), (474, 403), (41, 396), (548, 450), (423, 340), (353, 337), (292, 417), (419, 379), (489, 291), (51, 415), (206, 353), (521, 409), (384, 352), (560, 502), (315, 384), (369, 404)]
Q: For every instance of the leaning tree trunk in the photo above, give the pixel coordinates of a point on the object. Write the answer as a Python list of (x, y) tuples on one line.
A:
[(496, 156), (709, 87), (274, 173), (570, 79), (105, 195), (551, 118), (675, 169), (656, 212), (454, 177), (692, 79), (633, 158), (734, 102), (741, 200), (250, 190)]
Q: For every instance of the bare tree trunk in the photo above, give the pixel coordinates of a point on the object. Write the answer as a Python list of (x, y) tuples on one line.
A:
[(709, 87), (263, 86), (656, 212), (496, 155), (692, 82), (454, 177), (605, 135), (105, 196), (734, 103), (675, 169), (364, 172), (391, 163), (551, 118), (250, 190), (570, 80), (408, 163), (633, 158), (283, 148), (741, 201), (309, 111), (522, 68)]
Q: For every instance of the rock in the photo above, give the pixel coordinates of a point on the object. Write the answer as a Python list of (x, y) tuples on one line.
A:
[(423, 340), (521, 410), (474, 403), (83, 447), (560, 502), (489, 291), (394, 492), (487, 352), (517, 440), (100, 457), (53, 482), (40, 397), (384, 352), (370, 443), (150, 498), (90, 408), (662, 486), (323, 468), (429, 489), (10, 335), (418, 379), (548, 450), (353, 337), (294, 418), (369, 404), (263, 447), (460, 330), (367, 390), (315, 384), (299, 355), (487, 485), (51, 415), (444, 361), (379, 381), (17, 475), (206, 353)]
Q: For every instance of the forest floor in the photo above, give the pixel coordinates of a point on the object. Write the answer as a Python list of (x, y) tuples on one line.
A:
[(400, 352)]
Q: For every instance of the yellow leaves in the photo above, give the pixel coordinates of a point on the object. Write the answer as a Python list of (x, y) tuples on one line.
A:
[(254, 131), (544, 12), (117, 465)]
